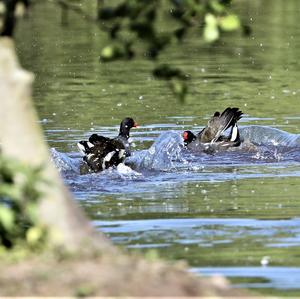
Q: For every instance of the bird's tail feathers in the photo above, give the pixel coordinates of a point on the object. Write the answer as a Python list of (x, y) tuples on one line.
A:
[(228, 118)]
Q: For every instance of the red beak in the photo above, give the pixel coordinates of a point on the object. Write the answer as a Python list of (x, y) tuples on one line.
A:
[(135, 125), (185, 135)]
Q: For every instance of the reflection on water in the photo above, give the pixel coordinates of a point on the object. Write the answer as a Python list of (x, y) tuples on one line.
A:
[(223, 212)]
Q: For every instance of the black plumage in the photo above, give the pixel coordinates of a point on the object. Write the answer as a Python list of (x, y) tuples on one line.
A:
[(102, 152)]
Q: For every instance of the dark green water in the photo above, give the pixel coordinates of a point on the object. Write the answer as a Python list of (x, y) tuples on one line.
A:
[(223, 215)]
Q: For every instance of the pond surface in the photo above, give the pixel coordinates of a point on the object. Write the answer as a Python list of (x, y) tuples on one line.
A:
[(235, 213)]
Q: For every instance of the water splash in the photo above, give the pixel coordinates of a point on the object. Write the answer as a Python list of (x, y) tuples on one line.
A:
[(263, 135), (126, 172), (168, 154), (63, 162), (166, 149)]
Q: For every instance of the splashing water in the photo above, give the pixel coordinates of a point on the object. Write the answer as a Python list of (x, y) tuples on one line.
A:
[(64, 163), (167, 153), (165, 150), (262, 135)]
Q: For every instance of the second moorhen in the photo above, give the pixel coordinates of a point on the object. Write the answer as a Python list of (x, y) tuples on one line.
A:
[(212, 135)]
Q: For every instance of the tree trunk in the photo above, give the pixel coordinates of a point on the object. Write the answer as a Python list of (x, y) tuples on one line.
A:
[(21, 138)]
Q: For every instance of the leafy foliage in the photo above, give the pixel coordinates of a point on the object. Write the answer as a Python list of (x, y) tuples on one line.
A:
[(19, 195), (132, 23)]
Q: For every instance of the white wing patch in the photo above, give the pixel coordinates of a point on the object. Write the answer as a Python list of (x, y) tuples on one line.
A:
[(121, 154), (234, 133), (90, 145), (81, 148), (107, 158)]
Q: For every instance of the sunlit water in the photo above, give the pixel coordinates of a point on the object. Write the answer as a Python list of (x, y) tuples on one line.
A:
[(235, 213)]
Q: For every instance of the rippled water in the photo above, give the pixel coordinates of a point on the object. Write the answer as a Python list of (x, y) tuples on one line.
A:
[(226, 213)]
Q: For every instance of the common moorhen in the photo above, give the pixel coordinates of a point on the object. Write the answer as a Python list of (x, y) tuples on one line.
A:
[(101, 152), (212, 135)]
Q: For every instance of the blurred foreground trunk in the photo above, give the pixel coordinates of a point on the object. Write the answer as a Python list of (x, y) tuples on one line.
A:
[(21, 138)]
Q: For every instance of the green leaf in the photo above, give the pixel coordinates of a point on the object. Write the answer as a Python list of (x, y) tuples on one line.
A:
[(34, 234), (107, 53), (217, 6), (229, 23), (210, 20), (114, 52), (211, 31), (19, 194), (7, 218), (13, 192)]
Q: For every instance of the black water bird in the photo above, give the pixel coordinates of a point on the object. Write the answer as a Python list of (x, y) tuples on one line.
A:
[(212, 136), (102, 152)]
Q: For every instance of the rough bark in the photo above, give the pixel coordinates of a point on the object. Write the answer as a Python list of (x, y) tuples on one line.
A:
[(21, 138)]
